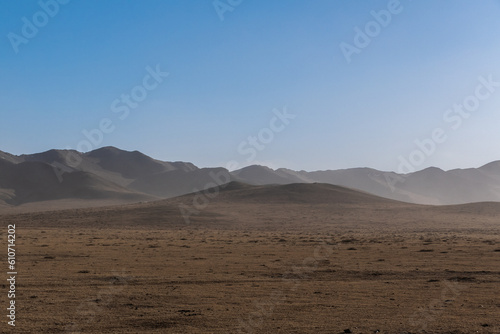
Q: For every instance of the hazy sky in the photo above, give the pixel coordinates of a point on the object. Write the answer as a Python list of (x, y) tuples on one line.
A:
[(361, 91)]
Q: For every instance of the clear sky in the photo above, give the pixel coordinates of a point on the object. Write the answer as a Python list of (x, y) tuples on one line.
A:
[(361, 90)]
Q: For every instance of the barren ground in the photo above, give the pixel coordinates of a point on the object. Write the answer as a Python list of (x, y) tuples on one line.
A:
[(266, 269)]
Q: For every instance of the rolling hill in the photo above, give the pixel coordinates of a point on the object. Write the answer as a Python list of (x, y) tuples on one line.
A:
[(109, 173), (428, 186)]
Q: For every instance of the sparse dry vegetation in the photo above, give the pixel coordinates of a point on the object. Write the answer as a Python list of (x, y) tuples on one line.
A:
[(261, 268)]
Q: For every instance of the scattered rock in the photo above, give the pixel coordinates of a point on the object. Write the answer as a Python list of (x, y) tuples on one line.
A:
[(462, 279), (188, 313)]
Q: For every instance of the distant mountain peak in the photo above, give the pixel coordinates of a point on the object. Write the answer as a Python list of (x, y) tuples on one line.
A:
[(106, 150), (493, 164), (140, 174), (257, 167)]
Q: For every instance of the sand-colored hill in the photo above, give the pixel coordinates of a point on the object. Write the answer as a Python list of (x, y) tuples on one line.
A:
[(291, 207), (312, 193)]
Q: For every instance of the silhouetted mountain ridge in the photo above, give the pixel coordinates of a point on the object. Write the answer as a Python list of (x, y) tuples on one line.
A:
[(112, 173)]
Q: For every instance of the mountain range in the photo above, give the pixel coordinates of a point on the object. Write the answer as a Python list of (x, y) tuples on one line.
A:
[(111, 174)]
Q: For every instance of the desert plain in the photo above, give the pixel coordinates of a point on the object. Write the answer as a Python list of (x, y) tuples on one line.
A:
[(299, 258)]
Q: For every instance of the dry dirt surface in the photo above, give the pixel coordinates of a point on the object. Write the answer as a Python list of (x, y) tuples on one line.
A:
[(289, 259)]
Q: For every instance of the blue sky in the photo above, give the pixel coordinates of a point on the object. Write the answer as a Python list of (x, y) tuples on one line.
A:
[(225, 78)]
